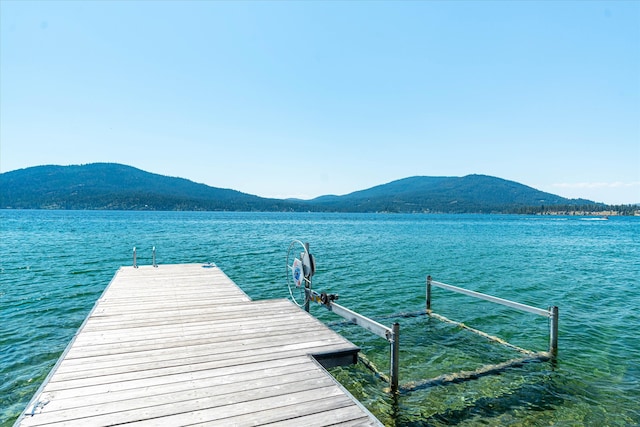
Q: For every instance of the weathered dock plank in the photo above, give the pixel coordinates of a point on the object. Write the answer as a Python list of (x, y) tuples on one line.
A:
[(183, 345)]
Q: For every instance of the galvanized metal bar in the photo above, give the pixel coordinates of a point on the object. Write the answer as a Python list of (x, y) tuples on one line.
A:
[(392, 335), (428, 294), (360, 320), (135, 261), (553, 332), (307, 284), (512, 304), (395, 357), (307, 296), (481, 333), (372, 367), (462, 376), (153, 253)]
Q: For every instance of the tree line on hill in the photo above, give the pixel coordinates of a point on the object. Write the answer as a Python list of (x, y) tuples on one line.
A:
[(120, 187)]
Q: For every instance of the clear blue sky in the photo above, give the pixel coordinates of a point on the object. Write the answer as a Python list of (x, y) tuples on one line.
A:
[(301, 99)]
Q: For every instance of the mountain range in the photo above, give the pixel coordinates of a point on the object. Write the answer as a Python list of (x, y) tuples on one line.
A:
[(121, 187)]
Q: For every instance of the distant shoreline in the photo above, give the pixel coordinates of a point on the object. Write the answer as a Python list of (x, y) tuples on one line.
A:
[(627, 211), (111, 186)]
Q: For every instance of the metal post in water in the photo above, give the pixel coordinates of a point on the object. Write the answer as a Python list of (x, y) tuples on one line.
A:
[(153, 253), (429, 294), (135, 262), (307, 285), (553, 332), (395, 357)]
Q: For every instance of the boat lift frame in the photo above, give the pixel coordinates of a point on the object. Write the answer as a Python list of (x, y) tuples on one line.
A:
[(392, 334), (551, 313)]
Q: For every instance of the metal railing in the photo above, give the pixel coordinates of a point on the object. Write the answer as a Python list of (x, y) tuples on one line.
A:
[(551, 313), (153, 257), (392, 334)]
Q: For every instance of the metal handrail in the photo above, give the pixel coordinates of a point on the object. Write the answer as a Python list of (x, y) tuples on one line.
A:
[(153, 257)]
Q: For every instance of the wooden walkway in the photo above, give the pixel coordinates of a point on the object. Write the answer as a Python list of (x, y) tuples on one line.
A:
[(183, 345)]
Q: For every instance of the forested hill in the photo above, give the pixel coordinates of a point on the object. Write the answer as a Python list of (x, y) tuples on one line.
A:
[(471, 193), (115, 186)]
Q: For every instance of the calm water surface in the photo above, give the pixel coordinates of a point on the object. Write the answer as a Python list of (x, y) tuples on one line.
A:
[(55, 264)]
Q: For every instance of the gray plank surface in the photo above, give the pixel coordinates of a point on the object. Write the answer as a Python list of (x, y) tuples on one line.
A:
[(183, 345)]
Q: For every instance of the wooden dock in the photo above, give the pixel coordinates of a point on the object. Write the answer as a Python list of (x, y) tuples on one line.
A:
[(183, 345)]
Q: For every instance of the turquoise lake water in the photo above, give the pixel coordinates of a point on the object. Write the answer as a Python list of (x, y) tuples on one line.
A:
[(55, 264)]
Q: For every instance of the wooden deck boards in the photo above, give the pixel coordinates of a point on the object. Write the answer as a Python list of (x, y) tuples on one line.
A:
[(183, 345)]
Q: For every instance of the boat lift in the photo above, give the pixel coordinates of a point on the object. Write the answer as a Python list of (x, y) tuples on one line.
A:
[(300, 271)]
